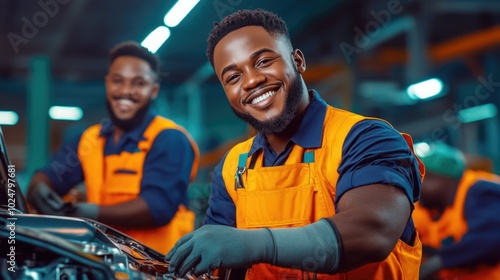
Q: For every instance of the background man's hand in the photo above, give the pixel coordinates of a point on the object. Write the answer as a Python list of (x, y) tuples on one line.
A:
[(430, 267), (45, 200)]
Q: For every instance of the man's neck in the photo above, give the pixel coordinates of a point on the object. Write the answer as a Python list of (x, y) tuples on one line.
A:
[(117, 134), (278, 142)]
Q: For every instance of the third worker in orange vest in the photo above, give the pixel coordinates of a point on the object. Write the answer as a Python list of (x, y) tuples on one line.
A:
[(457, 217)]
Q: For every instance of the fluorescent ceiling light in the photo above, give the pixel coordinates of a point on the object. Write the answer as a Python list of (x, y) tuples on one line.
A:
[(421, 149), (156, 38), (477, 113), (426, 89), (179, 11), (65, 113), (8, 118)]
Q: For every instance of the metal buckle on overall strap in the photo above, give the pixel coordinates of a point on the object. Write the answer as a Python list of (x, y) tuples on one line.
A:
[(242, 166), (238, 184)]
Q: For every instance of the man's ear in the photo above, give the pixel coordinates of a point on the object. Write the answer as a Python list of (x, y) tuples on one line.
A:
[(299, 59), (156, 89), (106, 79)]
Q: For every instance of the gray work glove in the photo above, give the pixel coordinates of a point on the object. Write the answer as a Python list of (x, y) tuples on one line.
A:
[(85, 210), (213, 246), (45, 200), (430, 267)]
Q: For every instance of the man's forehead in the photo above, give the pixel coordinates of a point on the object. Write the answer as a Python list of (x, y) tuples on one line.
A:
[(251, 31), (130, 64), (131, 61), (248, 38)]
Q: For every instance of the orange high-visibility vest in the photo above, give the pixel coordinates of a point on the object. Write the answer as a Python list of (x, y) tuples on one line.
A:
[(452, 223), (106, 187), (301, 192)]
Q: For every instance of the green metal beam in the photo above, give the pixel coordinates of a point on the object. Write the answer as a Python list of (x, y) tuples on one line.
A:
[(39, 98)]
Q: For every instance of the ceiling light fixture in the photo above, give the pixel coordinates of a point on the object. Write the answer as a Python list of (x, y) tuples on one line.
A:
[(179, 11), (65, 113), (156, 38), (8, 118), (425, 89), (477, 113), (422, 149)]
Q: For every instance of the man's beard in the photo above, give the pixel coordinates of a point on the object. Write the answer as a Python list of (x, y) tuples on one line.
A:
[(278, 124), (127, 125)]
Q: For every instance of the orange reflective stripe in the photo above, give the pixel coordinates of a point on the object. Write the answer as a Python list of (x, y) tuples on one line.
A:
[(117, 178), (300, 193)]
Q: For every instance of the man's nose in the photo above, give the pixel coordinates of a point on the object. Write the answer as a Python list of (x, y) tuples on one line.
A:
[(253, 78)]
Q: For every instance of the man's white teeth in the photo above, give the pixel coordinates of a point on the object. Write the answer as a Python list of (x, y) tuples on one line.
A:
[(126, 102), (263, 97)]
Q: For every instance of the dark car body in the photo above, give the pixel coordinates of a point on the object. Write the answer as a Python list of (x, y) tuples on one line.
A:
[(52, 247)]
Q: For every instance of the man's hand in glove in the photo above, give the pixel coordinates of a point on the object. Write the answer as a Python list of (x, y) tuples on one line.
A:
[(85, 210), (430, 267), (215, 246), (45, 200)]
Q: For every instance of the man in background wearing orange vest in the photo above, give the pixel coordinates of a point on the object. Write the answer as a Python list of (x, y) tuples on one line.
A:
[(318, 193), (136, 166), (457, 217)]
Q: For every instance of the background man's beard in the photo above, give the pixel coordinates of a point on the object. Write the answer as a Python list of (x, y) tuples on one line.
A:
[(278, 124), (133, 122)]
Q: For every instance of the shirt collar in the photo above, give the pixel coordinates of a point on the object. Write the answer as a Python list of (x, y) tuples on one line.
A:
[(135, 134), (310, 131)]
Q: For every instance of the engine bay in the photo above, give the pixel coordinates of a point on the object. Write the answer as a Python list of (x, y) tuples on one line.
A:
[(38, 247)]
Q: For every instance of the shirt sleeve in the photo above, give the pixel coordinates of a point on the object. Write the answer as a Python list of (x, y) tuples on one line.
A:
[(64, 169), (166, 174), (481, 243), (375, 153), (221, 209)]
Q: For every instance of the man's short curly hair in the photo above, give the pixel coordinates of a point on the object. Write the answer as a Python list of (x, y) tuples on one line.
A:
[(271, 22), (132, 48)]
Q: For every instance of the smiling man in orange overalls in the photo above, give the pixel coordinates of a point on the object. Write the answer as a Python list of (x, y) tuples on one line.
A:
[(318, 193), (136, 166)]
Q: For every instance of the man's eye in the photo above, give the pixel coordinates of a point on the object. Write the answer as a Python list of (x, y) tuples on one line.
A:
[(264, 62), (139, 83), (231, 78)]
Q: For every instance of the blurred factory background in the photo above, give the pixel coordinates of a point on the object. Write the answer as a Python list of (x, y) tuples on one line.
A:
[(430, 67)]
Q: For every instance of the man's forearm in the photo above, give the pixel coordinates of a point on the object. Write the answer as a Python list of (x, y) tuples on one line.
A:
[(37, 178), (316, 247), (134, 213)]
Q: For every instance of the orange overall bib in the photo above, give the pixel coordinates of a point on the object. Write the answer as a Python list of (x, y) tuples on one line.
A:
[(107, 187), (301, 192), (452, 223)]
